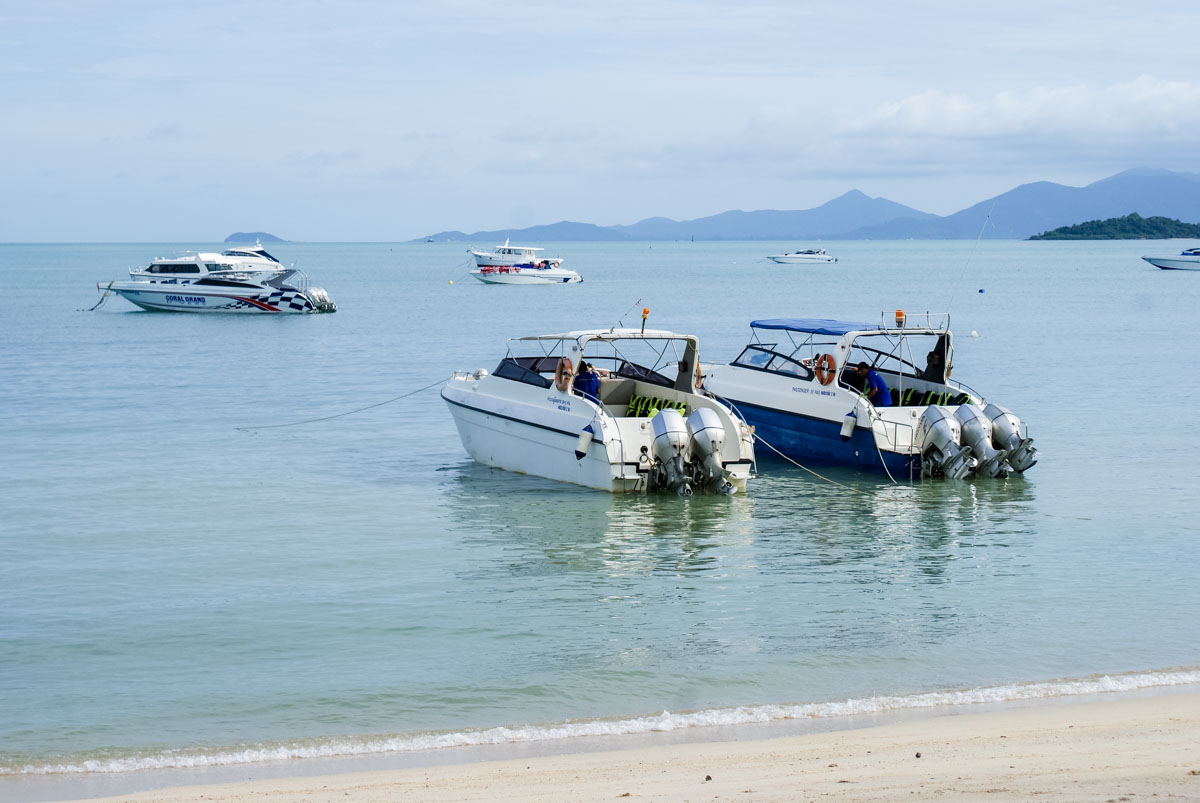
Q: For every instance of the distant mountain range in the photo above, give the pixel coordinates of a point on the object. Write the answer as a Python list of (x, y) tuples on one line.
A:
[(1014, 215)]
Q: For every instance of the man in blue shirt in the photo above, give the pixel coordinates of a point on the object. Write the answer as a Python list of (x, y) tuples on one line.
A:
[(587, 382), (874, 388)]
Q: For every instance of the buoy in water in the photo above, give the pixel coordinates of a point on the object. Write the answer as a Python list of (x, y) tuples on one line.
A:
[(974, 333)]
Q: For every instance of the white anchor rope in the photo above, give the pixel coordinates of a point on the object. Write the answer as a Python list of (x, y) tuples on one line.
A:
[(348, 412)]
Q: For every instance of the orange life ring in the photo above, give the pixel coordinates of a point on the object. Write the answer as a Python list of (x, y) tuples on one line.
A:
[(826, 368), (562, 374)]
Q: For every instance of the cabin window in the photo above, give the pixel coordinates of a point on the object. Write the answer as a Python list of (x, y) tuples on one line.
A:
[(189, 268), (754, 358), (509, 368), (783, 365)]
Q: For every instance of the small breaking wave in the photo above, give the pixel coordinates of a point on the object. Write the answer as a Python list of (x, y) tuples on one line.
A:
[(191, 758)]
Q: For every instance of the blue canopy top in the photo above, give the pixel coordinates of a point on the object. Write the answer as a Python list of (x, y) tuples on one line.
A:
[(816, 326)]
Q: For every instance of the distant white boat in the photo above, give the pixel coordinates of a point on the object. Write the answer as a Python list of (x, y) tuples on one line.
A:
[(520, 264), (807, 255), (1189, 259)]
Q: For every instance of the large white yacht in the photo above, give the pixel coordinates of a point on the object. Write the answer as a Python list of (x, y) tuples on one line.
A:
[(520, 264), (1189, 259), (242, 279), (804, 256), (797, 383), (642, 426)]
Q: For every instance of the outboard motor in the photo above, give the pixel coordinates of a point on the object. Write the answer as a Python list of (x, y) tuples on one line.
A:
[(977, 434), (1006, 434), (707, 437), (941, 454), (671, 451), (320, 300)]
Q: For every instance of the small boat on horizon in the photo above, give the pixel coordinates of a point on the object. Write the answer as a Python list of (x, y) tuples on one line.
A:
[(241, 279), (800, 257), (639, 424), (520, 264), (1188, 259), (797, 384)]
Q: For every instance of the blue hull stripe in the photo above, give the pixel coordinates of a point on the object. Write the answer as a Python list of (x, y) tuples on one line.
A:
[(807, 439)]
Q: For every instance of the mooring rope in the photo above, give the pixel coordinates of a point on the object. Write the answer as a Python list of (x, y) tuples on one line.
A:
[(758, 438), (348, 412), (103, 298)]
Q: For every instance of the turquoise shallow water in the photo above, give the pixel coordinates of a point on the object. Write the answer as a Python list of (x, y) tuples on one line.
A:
[(178, 588)]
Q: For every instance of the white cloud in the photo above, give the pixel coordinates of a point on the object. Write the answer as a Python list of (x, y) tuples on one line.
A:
[(1145, 107)]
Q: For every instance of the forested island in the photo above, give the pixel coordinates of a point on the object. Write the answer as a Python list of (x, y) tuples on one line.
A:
[(253, 237), (1130, 227)]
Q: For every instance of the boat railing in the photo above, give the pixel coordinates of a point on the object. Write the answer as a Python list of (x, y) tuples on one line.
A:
[(939, 321), (892, 437)]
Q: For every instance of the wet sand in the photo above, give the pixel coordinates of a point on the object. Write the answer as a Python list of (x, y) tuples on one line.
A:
[(1121, 749)]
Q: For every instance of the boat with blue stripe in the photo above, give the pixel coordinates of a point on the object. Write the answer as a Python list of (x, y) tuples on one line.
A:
[(869, 396)]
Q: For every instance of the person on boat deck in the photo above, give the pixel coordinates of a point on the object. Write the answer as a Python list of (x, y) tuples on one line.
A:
[(873, 387), (935, 367), (587, 381)]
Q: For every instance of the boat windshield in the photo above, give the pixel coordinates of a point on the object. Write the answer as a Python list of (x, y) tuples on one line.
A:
[(252, 253), (927, 355), (914, 354), (656, 360)]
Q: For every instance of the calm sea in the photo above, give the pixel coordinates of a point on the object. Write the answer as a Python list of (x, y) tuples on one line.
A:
[(192, 578)]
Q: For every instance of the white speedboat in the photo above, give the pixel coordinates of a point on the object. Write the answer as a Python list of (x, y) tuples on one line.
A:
[(799, 257), (794, 383), (1189, 259), (645, 428), (520, 264), (245, 279)]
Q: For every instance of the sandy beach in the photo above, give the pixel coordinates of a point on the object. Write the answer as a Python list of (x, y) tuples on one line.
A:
[(1108, 750)]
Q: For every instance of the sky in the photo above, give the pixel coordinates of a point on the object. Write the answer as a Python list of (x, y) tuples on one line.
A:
[(386, 121)]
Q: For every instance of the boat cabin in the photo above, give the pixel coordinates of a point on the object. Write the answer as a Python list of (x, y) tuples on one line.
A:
[(914, 360), (640, 372)]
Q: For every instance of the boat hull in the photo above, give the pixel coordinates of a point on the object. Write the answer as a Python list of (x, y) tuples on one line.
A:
[(1174, 263), (794, 259), (543, 450), (189, 298), (562, 436), (810, 440), (528, 276)]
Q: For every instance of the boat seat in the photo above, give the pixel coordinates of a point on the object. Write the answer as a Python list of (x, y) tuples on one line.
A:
[(923, 398), (640, 406)]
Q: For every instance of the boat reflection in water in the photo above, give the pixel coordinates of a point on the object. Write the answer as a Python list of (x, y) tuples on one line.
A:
[(853, 528)]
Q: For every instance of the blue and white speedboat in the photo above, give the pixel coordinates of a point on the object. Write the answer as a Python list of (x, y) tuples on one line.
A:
[(244, 279), (795, 382), (1188, 259)]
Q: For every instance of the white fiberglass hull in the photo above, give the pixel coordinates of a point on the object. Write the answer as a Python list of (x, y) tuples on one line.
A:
[(1174, 263), (190, 298), (531, 430), (527, 276), (791, 259)]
